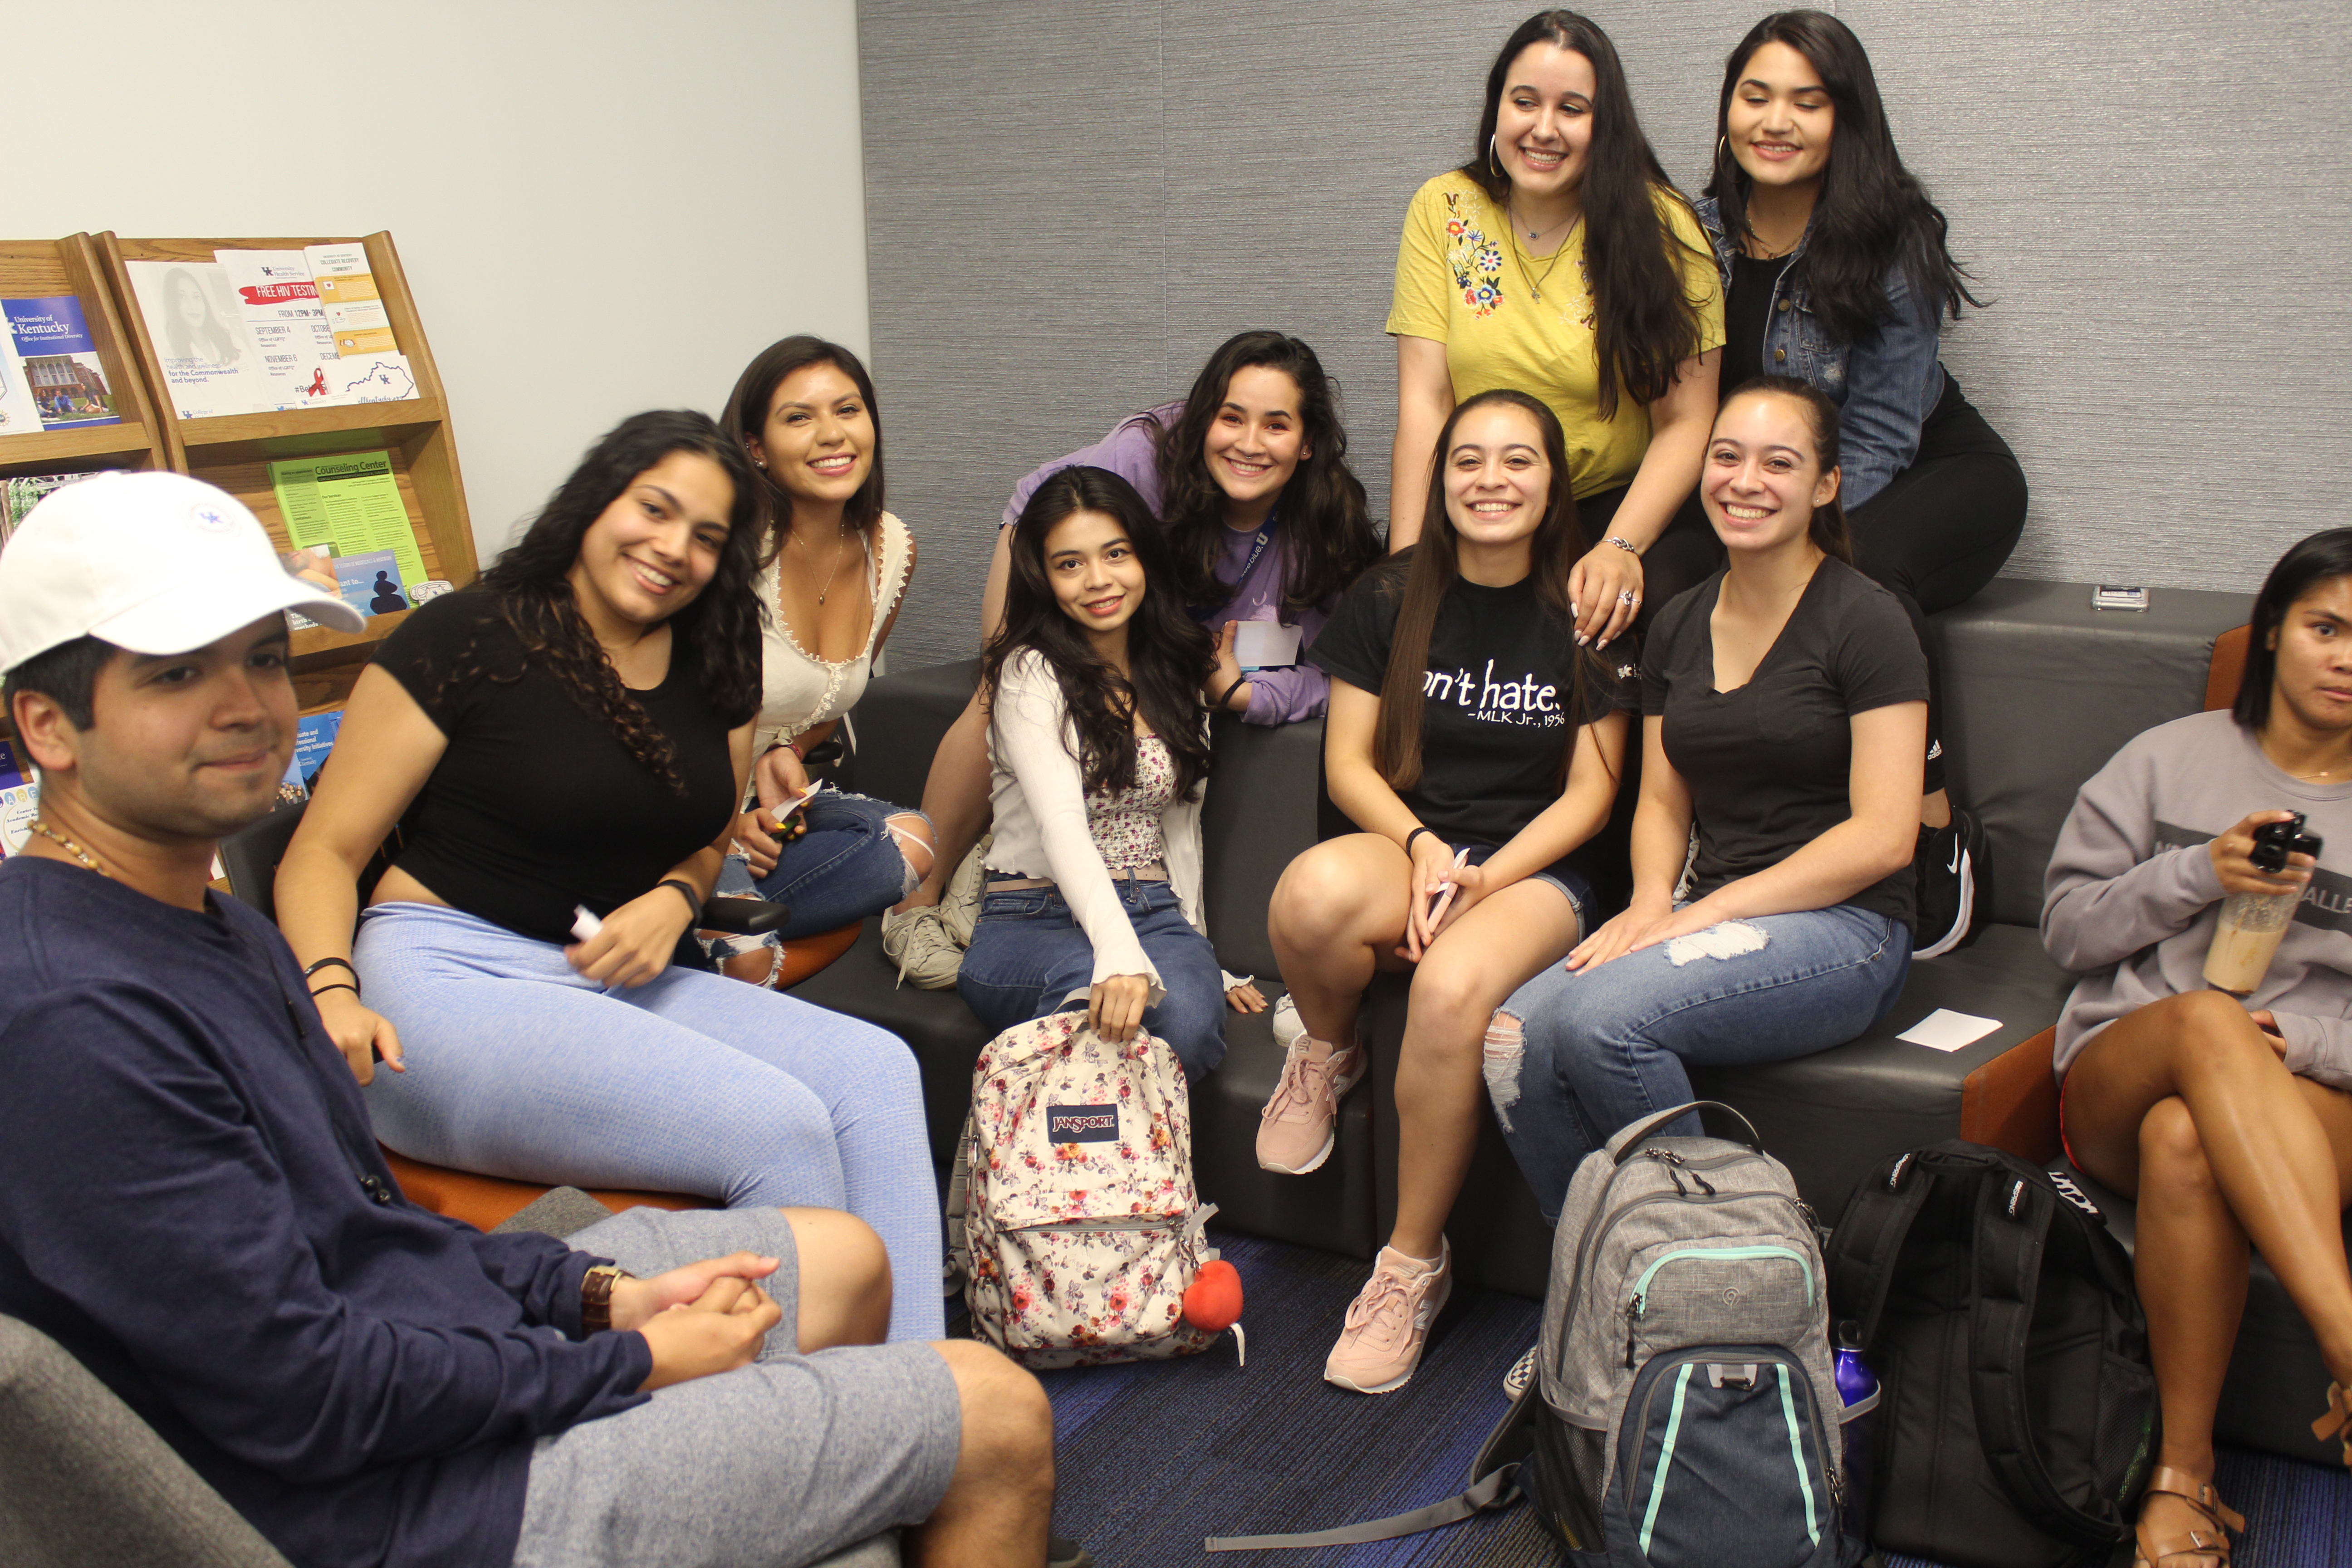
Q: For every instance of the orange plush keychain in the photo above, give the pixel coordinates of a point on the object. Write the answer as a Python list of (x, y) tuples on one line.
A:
[(1212, 1302)]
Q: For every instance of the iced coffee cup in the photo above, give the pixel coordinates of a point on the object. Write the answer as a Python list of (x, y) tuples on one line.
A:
[(2253, 924)]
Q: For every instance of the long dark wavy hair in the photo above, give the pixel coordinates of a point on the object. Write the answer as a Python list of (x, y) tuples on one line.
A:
[(746, 417), (2307, 564), (1327, 536), (1422, 581), (1644, 323), (1873, 214), (1167, 655), (1829, 530), (721, 624)]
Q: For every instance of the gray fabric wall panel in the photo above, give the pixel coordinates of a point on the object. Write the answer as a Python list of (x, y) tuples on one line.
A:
[(1068, 205)]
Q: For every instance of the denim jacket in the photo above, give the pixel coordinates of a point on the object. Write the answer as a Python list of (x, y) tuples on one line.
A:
[(1885, 389)]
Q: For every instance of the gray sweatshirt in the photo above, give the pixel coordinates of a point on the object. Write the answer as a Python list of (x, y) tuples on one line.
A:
[(2132, 897)]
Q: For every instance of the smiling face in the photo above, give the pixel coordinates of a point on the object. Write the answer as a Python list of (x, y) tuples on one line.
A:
[(1497, 477), (1779, 119), (648, 554), (2314, 675), (818, 438), (183, 746), (1543, 124), (1762, 476), (1257, 436), (1097, 579)]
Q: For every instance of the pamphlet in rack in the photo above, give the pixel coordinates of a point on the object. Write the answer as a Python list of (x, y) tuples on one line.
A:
[(351, 501), (61, 365)]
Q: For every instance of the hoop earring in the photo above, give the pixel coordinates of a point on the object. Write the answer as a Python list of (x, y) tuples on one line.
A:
[(1494, 161), (1722, 149)]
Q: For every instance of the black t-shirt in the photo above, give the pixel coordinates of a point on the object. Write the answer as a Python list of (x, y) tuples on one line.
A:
[(1767, 766), (1498, 686), (1746, 312), (537, 805)]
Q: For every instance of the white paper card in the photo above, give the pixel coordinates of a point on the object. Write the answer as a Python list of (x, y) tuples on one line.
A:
[(1945, 1030), (1265, 645), (371, 378)]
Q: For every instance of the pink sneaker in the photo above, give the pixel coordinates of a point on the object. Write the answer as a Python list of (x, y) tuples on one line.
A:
[(1295, 1133), (1389, 1321)]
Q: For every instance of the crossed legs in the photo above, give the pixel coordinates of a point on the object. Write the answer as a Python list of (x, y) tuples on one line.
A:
[(2186, 1105)]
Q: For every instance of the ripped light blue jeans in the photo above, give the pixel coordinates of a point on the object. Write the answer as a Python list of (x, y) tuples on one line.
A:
[(1596, 1050), (847, 866)]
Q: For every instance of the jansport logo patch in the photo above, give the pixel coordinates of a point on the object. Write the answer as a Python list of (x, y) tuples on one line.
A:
[(1082, 1124)]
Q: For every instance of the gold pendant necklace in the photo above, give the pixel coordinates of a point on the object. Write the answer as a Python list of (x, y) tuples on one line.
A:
[(1526, 267), (72, 848), (840, 547)]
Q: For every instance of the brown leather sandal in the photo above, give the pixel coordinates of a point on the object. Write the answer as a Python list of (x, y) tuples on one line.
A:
[(2192, 1543), (2337, 1422)]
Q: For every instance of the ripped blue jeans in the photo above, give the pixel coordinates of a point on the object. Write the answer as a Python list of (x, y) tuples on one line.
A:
[(845, 868), (1572, 1058)]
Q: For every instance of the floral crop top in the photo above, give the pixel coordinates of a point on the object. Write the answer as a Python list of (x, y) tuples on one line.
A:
[(1124, 825)]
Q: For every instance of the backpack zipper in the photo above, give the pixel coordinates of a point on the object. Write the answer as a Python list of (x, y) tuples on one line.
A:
[(1642, 1285)]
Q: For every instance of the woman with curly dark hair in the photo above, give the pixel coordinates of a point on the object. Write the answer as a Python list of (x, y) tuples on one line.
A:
[(564, 743), (1098, 748)]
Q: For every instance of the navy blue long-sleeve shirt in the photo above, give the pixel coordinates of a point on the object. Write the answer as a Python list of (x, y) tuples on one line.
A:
[(185, 1204)]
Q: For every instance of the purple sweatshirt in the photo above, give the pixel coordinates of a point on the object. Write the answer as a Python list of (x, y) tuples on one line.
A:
[(1132, 452)]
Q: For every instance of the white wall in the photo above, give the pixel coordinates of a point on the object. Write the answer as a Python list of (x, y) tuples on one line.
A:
[(602, 206)]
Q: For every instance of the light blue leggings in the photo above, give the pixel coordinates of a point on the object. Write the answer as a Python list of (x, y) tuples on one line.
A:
[(517, 1067)]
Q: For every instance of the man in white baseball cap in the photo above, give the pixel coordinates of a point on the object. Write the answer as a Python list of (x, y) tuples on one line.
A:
[(126, 590)]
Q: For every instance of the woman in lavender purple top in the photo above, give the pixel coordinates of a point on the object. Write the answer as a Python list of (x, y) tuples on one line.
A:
[(1249, 474)]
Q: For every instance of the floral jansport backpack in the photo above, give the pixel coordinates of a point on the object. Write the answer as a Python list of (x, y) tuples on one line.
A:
[(1071, 1208)]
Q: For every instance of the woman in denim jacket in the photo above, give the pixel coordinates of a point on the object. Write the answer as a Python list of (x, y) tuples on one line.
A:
[(1835, 271)]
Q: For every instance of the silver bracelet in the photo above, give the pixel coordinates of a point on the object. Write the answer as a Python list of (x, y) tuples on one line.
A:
[(1623, 545)]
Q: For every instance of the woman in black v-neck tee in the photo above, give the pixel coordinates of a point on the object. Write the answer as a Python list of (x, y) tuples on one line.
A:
[(1801, 780), (572, 733)]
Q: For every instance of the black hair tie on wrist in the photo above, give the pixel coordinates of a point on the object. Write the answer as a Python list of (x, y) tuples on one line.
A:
[(1410, 836), (337, 986), (685, 891), (1239, 682)]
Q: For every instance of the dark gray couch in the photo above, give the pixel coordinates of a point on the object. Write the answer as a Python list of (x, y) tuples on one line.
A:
[(2040, 690)]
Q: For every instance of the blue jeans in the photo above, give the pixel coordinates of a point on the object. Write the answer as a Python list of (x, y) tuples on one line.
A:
[(843, 869), (519, 1066), (1604, 1047), (1027, 955)]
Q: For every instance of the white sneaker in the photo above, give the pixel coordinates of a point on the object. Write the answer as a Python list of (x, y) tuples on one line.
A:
[(1287, 1029), (918, 941)]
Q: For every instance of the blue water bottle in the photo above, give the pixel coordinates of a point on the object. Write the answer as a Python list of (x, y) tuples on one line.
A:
[(1856, 1386)]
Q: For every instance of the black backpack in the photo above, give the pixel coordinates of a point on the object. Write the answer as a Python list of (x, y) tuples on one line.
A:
[(2017, 1421)]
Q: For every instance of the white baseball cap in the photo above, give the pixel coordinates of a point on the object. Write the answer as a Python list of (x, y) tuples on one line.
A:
[(156, 563)]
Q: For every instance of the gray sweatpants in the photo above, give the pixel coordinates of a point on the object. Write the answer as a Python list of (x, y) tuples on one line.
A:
[(774, 1465)]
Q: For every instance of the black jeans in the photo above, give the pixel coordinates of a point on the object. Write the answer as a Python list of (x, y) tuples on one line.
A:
[(1935, 536)]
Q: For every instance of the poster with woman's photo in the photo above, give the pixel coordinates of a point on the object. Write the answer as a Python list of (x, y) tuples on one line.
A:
[(209, 364)]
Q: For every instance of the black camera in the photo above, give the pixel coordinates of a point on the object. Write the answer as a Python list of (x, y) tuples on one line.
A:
[(2275, 841)]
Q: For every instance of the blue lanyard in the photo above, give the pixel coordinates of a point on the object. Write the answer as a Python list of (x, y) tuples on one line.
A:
[(1257, 547)]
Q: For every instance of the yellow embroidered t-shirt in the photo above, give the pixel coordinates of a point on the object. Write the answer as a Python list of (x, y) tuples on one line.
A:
[(1460, 280)]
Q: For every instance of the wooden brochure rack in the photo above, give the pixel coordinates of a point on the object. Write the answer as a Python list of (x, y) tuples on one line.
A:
[(39, 268), (234, 451)]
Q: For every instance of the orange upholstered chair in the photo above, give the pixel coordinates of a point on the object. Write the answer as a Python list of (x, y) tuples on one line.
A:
[(2012, 1101)]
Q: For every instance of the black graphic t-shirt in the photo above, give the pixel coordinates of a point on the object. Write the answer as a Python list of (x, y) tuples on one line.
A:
[(1769, 763), (1502, 700)]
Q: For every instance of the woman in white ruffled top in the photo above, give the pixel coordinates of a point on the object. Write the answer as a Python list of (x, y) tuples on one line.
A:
[(834, 578)]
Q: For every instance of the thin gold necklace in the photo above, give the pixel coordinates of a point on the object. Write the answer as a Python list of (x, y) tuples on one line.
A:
[(1526, 265), (72, 848), (840, 548)]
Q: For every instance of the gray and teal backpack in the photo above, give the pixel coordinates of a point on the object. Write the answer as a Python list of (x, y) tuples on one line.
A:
[(1683, 1414)]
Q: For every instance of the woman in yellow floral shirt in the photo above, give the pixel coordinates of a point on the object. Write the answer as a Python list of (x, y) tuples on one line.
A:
[(1560, 262)]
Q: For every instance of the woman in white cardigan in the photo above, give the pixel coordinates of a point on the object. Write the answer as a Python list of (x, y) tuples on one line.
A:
[(1099, 753)]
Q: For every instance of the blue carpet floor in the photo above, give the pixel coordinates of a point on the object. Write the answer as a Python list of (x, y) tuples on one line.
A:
[(1153, 1457)]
